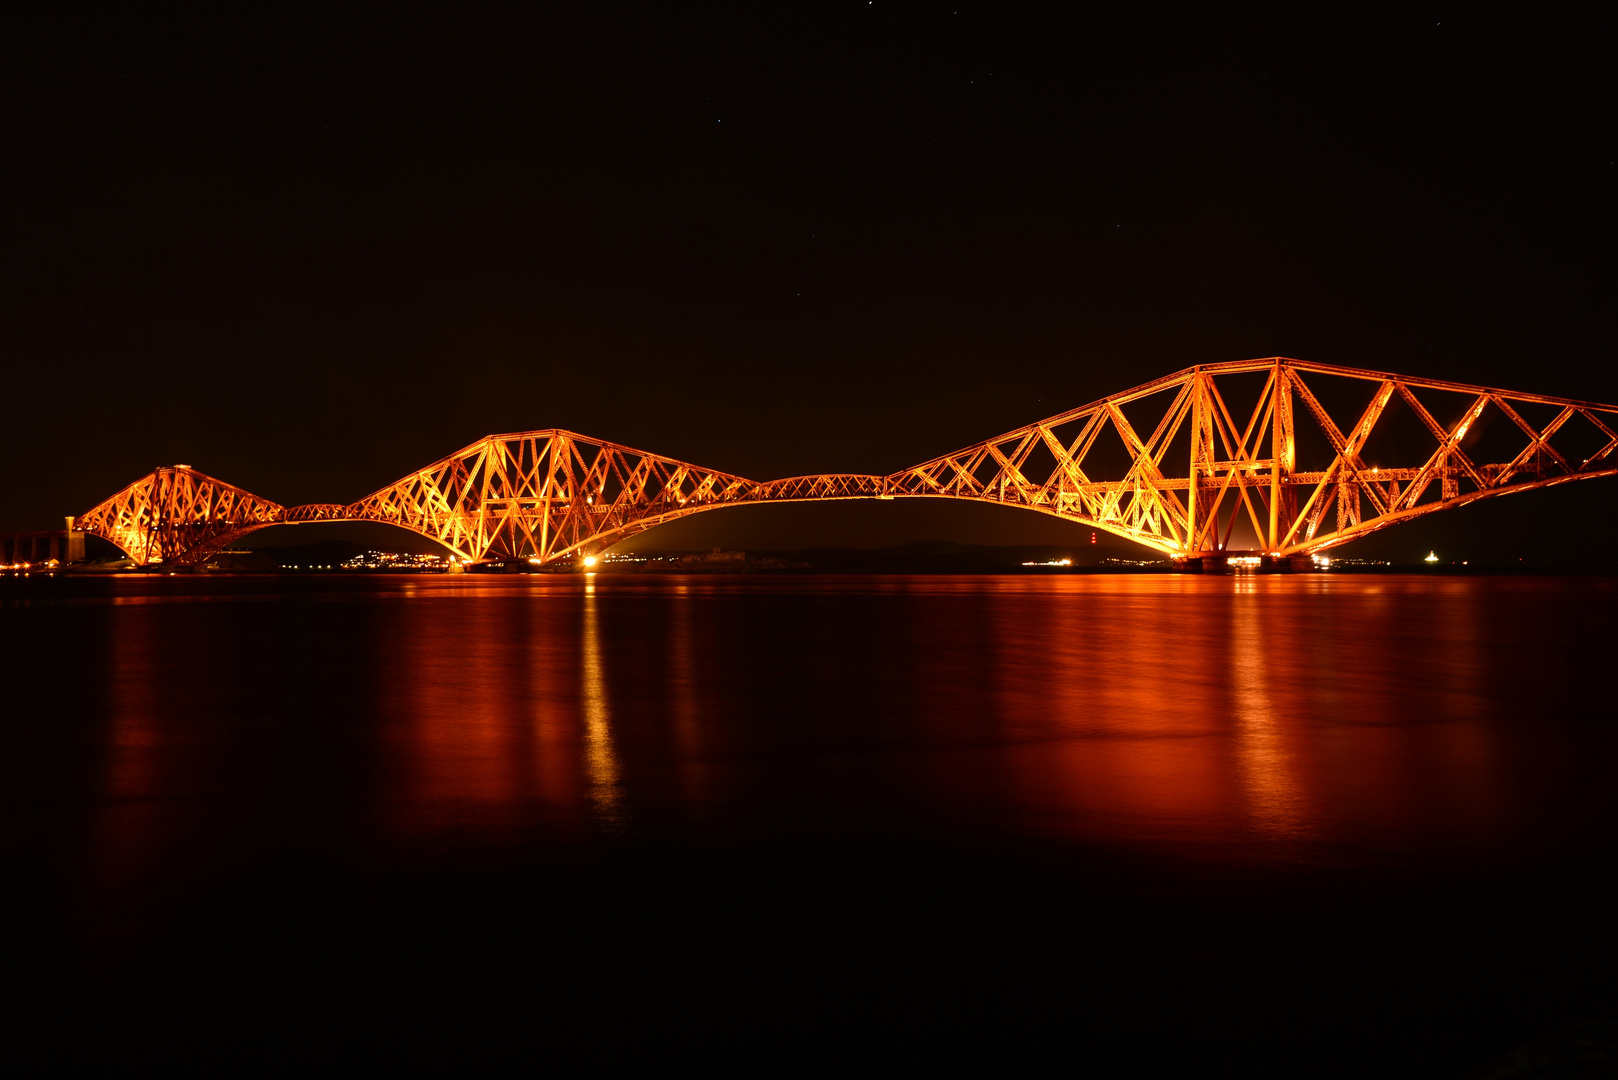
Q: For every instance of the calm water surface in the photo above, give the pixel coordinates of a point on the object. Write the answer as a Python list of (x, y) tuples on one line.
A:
[(1201, 808)]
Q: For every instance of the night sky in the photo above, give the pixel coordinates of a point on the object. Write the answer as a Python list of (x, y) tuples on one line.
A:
[(308, 257)]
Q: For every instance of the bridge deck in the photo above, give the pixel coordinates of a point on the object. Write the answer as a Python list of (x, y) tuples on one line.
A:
[(1197, 477)]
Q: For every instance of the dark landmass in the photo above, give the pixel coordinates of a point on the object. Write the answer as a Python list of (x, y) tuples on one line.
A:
[(920, 557), (948, 557), (330, 553)]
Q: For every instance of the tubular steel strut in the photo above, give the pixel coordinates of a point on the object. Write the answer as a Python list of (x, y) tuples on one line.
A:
[(554, 494)]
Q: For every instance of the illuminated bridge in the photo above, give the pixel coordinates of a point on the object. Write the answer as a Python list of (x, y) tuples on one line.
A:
[(1276, 458)]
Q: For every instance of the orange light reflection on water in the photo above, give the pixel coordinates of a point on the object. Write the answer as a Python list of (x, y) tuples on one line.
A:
[(1277, 714), (1289, 718), (600, 754)]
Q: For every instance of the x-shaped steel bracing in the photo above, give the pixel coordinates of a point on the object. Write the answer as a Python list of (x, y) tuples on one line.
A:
[(1205, 478)]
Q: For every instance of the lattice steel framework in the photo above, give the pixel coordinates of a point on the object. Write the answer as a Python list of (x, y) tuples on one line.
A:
[(1212, 472), (178, 516), (1186, 487), (547, 494)]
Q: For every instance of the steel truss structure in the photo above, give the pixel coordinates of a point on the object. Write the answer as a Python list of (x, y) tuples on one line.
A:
[(178, 516), (1277, 457)]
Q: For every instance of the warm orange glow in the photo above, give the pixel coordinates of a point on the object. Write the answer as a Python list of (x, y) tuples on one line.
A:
[(601, 756), (519, 496), (502, 710)]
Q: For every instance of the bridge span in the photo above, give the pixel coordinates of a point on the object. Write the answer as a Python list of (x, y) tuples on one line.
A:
[(1275, 457)]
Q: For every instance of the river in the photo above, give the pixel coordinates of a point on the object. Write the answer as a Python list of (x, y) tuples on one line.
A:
[(1315, 825)]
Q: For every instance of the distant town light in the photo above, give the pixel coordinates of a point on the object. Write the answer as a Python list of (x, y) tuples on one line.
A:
[(589, 560), (1432, 556)]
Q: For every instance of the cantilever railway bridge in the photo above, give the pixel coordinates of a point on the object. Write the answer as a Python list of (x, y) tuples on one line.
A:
[(1274, 457)]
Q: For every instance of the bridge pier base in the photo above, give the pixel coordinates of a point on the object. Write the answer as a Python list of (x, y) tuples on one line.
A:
[(1246, 563), (1287, 564), (1203, 564)]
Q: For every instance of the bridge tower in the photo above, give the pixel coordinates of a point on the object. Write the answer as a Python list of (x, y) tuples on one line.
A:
[(1283, 455)]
